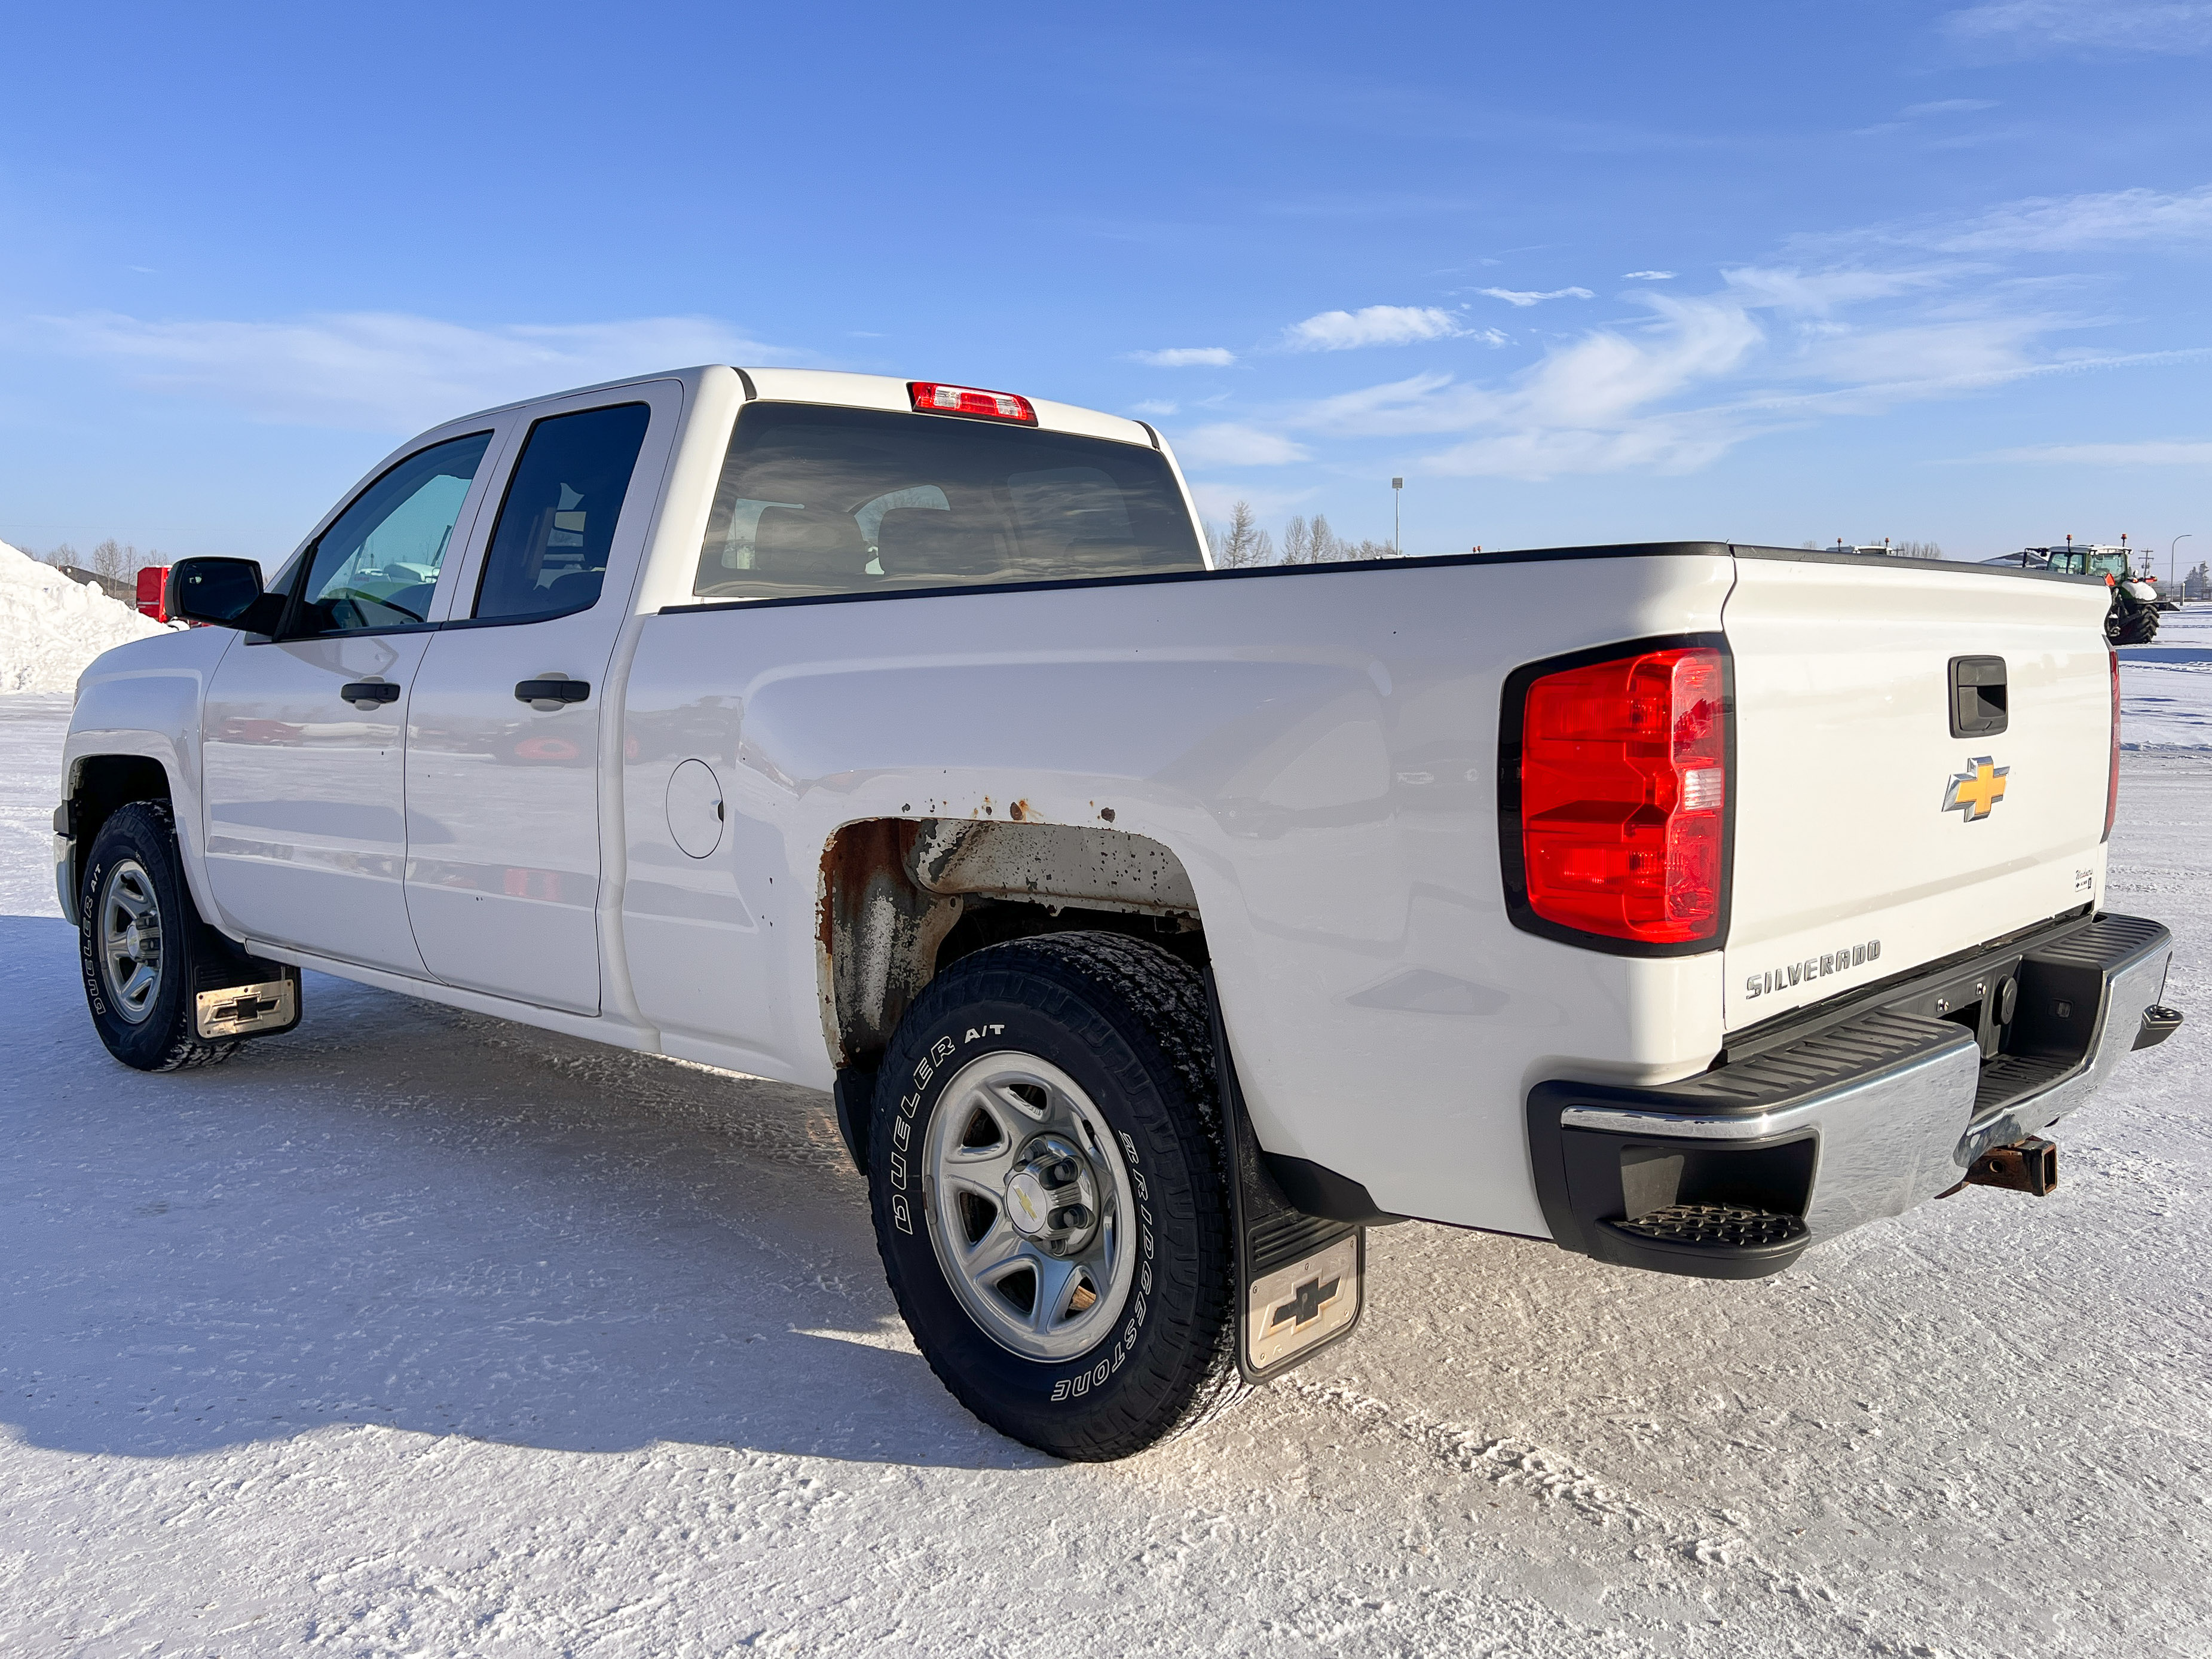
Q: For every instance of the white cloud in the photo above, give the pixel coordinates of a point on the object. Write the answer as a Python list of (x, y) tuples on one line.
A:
[(1606, 376), (1514, 296), (1188, 358), (2025, 26), (2060, 224), (1647, 276), (1942, 352), (1489, 337), (1774, 347), (2150, 453), (1370, 325), (1586, 406), (1155, 406), (1836, 329), (2091, 222), (1817, 293), (389, 371), (1226, 443), (1671, 447)]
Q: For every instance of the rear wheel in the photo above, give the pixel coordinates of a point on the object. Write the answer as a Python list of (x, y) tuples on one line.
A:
[(1047, 1177), (141, 941)]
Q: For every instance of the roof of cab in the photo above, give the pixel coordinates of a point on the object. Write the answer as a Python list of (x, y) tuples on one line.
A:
[(885, 392)]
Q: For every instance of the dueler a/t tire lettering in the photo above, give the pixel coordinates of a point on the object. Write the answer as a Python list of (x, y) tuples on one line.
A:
[(1125, 1023), (142, 835)]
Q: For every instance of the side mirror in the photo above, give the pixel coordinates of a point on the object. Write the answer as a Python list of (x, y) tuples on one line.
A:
[(224, 592)]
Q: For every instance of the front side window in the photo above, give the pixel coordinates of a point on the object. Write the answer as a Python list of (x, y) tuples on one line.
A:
[(820, 500), (377, 565), (549, 550)]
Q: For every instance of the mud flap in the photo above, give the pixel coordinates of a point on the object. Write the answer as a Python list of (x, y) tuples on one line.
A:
[(236, 996), (1300, 1280)]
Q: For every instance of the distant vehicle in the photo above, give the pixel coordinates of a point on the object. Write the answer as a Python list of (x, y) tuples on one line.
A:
[(2133, 616), (151, 593), (1156, 929)]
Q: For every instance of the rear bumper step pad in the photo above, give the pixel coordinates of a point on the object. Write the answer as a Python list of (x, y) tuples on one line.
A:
[(1731, 1174)]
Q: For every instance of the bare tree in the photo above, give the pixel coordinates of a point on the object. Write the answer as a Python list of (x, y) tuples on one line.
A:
[(1315, 542), (1917, 551), (62, 554), (117, 561), (1327, 545), (1243, 543)]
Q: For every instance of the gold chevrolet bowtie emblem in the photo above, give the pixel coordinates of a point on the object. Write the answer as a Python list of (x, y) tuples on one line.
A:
[(1976, 790)]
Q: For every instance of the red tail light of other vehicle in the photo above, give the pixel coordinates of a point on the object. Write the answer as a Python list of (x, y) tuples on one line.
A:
[(1623, 796)]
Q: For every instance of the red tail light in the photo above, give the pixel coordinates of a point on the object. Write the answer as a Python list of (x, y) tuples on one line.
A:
[(153, 593), (931, 399), (1623, 797), (2112, 781)]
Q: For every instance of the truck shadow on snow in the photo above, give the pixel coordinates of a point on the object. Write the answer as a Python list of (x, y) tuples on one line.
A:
[(410, 1217)]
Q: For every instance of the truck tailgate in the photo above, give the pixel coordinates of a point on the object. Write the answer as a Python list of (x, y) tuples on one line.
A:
[(1855, 857)]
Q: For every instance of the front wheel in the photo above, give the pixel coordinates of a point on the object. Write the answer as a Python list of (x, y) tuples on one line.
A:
[(142, 942), (1047, 1184)]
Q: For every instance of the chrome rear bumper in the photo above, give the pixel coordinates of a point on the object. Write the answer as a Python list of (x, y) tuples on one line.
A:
[(1732, 1173)]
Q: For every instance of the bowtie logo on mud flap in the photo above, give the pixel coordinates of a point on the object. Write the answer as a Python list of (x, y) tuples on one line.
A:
[(1306, 1304), (1975, 791)]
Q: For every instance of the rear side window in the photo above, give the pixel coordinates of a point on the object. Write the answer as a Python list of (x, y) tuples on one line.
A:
[(819, 500), (549, 551), (377, 566)]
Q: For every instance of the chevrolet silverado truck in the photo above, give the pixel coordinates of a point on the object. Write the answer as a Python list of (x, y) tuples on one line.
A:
[(1158, 929)]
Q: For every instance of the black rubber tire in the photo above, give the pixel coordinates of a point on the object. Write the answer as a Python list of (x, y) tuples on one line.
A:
[(1127, 1022), (163, 1041)]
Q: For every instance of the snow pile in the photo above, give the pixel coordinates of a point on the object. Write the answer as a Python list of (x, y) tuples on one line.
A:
[(52, 628)]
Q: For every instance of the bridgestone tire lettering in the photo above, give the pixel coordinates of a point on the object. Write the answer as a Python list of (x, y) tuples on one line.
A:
[(1127, 1022)]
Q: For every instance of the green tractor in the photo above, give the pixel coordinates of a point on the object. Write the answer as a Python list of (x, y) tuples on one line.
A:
[(2132, 618)]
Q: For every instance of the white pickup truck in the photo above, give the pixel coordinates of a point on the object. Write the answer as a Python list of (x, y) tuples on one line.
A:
[(1158, 929)]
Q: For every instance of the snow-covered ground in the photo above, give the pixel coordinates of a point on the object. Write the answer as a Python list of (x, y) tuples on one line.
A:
[(2166, 687), (414, 1332)]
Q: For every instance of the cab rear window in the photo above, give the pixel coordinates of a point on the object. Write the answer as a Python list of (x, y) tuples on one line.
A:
[(819, 500)]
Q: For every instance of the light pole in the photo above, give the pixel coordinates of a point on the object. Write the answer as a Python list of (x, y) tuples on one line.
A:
[(2170, 546), (1397, 542)]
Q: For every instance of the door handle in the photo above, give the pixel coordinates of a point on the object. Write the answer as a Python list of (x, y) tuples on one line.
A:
[(552, 690), (362, 692)]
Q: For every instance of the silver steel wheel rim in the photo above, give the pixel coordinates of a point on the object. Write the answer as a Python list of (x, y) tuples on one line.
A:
[(129, 927), (1038, 1280)]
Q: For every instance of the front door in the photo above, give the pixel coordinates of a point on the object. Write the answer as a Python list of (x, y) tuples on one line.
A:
[(301, 733), (505, 724)]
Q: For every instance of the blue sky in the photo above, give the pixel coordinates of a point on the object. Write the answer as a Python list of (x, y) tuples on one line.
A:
[(1578, 273)]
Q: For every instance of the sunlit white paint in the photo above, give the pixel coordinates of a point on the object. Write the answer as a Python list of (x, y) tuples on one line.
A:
[(1317, 748)]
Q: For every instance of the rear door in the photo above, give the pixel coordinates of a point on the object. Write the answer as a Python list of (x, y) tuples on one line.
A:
[(505, 725), (302, 734), (1874, 831)]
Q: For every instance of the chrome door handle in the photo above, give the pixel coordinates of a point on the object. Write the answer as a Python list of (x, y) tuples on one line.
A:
[(358, 692), (552, 690)]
